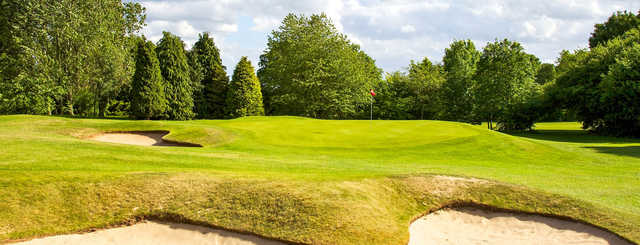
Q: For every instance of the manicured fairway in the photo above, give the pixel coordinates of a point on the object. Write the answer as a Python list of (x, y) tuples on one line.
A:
[(306, 180)]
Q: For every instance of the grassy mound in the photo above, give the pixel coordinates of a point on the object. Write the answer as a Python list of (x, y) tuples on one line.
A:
[(306, 180)]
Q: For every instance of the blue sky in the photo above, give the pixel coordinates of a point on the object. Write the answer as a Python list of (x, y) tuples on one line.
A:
[(392, 32)]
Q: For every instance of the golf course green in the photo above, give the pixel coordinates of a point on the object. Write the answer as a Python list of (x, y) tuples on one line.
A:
[(307, 180)]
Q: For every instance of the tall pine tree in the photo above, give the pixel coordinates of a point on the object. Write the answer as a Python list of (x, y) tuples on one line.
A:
[(213, 81), (175, 71), (147, 90), (244, 97)]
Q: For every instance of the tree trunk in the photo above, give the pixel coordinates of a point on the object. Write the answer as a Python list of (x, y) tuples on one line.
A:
[(70, 102), (102, 107)]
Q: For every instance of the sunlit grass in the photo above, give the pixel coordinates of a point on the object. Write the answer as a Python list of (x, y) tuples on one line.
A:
[(306, 180)]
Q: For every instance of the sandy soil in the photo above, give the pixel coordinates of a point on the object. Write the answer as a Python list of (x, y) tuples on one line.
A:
[(474, 226), (449, 226), (134, 138), (154, 233)]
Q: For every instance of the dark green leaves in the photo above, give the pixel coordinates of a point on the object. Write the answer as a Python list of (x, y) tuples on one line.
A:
[(148, 99), (177, 81), (602, 86), (616, 25), (212, 81)]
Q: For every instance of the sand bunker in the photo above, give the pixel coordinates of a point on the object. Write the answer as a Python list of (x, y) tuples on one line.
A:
[(475, 226), (448, 226), (155, 233), (148, 138)]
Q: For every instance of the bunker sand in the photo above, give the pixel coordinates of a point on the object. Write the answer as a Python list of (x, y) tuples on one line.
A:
[(155, 233), (144, 138), (448, 226), (475, 226)]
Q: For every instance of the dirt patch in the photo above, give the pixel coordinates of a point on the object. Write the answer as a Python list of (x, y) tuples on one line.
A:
[(157, 233), (476, 226), (443, 186), (146, 138), (445, 178)]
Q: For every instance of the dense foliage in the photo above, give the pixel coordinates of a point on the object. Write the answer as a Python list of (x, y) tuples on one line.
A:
[(546, 74), (393, 100), (425, 82), (616, 25), (176, 73), (505, 79), (310, 69), (148, 99), (244, 98), (63, 57), (460, 63), (211, 80), (602, 86), (496, 86)]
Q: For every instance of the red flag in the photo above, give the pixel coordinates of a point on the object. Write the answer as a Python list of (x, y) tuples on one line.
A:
[(372, 93)]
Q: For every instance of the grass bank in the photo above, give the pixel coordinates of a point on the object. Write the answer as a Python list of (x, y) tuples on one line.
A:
[(306, 180)]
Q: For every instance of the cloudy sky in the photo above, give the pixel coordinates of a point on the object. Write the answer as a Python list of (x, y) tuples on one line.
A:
[(392, 32)]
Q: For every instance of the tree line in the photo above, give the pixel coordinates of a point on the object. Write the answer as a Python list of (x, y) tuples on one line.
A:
[(494, 85), (64, 57), (61, 57), (171, 83), (601, 84)]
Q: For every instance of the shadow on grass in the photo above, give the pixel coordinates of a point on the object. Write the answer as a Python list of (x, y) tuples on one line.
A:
[(573, 136), (95, 117), (629, 151)]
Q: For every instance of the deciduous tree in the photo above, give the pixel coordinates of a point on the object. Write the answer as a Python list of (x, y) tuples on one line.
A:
[(460, 63), (426, 80), (62, 50), (505, 79), (601, 86), (310, 69), (393, 99), (546, 74), (616, 25)]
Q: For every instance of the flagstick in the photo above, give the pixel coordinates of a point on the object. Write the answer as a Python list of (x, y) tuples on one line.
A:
[(371, 114)]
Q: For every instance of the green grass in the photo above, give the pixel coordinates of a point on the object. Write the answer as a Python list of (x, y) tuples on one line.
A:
[(306, 180)]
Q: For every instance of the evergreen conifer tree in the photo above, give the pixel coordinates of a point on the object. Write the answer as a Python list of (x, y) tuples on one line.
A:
[(244, 97), (210, 98), (147, 91), (175, 71)]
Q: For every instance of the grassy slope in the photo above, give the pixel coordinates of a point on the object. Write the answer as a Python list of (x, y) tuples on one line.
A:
[(305, 180)]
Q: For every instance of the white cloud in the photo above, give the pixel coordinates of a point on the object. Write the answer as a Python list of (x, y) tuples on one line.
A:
[(390, 31), (228, 28), (184, 29), (265, 23), (488, 9), (407, 29), (543, 28)]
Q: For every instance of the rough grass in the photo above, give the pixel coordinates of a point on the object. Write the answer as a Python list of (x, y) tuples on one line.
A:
[(305, 180)]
